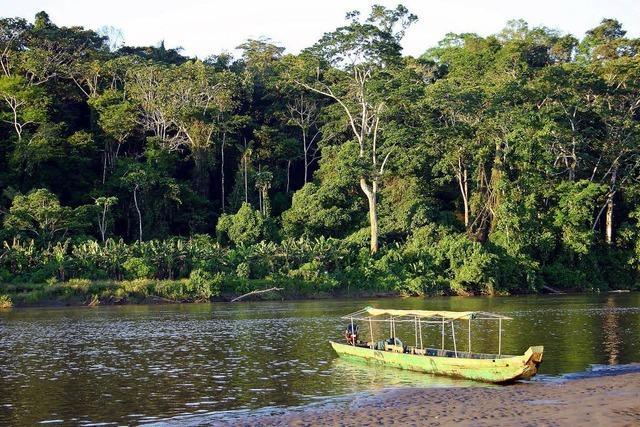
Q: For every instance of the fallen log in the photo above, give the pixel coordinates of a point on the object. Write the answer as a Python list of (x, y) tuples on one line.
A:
[(256, 292), (94, 301), (155, 299), (551, 290)]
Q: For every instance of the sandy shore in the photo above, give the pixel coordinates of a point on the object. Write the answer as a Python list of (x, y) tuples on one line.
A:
[(602, 401)]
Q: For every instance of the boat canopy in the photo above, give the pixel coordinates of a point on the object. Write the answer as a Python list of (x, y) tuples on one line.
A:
[(428, 314)]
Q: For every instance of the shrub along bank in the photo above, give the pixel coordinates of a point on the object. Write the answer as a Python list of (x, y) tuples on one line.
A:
[(432, 260)]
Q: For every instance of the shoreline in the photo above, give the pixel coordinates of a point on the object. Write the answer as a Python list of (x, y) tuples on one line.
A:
[(612, 399), (77, 299), (87, 301)]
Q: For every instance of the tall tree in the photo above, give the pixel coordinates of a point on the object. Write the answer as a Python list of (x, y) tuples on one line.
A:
[(363, 51), (117, 119), (303, 113), (180, 105)]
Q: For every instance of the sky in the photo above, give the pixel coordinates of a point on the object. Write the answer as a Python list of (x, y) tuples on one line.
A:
[(205, 27)]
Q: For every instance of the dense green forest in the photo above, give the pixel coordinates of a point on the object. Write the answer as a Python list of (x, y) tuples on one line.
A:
[(496, 164)]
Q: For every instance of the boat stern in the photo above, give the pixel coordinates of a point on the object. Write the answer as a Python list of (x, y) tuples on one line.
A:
[(532, 359)]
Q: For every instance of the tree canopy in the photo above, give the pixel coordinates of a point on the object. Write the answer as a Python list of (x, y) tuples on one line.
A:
[(488, 163)]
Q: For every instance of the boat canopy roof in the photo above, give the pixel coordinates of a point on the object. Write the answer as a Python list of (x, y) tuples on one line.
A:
[(430, 314)]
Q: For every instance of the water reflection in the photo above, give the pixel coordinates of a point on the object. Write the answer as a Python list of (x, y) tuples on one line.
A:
[(610, 331), (144, 363), (374, 376)]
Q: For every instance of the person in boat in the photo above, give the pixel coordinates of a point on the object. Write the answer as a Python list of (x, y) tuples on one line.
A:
[(380, 345), (351, 333)]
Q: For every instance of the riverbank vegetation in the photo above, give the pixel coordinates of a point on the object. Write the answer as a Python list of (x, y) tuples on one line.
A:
[(499, 164)]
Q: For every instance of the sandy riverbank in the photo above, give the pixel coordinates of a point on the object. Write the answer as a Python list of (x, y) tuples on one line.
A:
[(603, 401)]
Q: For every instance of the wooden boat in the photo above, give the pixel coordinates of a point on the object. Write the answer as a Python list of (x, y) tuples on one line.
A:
[(486, 367)]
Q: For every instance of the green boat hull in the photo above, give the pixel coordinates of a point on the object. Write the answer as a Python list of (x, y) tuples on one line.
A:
[(501, 369)]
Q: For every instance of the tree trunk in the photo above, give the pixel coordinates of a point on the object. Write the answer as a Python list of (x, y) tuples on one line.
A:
[(371, 193), (201, 173), (288, 173), (111, 152), (306, 155), (461, 176), (115, 155), (135, 200), (266, 206), (104, 165), (610, 205), (246, 187), (466, 198), (485, 220), (224, 136), (609, 221), (103, 223)]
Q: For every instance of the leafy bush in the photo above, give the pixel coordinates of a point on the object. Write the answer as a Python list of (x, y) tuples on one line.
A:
[(243, 270), (98, 261), (136, 268), (80, 285), (203, 285), (574, 214), (5, 301), (247, 226), (170, 289), (137, 288)]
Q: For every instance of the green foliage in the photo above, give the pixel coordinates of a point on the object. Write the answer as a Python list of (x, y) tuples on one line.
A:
[(510, 163), (136, 268), (468, 267), (574, 215), (312, 214), (116, 114), (5, 302), (405, 206), (136, 288), (80, 285), (247, 226), (39, 215), (332, 206), (28, 104), (204, 285)]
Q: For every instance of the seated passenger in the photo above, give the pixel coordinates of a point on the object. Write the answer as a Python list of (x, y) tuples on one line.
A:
[(397, 342), (380, 345), (351, 334)]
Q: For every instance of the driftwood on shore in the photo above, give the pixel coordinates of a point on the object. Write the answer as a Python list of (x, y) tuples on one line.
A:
[(94, 301), (551, 290), (256, 292)]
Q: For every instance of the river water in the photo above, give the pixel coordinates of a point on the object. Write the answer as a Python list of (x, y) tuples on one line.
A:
[(136, 364)]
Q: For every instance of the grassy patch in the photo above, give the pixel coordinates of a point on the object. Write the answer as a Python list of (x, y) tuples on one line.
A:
[(5, 301)]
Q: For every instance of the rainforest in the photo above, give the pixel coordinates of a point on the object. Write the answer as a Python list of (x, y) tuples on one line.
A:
[(489, 165)]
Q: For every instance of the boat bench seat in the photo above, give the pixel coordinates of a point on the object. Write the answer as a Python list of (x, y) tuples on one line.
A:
[(424, 351), (394, 348), (432, 352)]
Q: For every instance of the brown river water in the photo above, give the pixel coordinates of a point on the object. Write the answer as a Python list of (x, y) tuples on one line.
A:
[(145, 364)]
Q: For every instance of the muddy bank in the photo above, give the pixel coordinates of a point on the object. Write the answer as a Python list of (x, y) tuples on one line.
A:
[(612, 400)]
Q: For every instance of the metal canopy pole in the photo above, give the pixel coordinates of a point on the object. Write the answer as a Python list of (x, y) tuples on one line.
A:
[(499, 336), (393, 330), (415, 327), (453, 333), (371, 330), (469, 336), (420, 331), (353, 332), (442, 334)]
